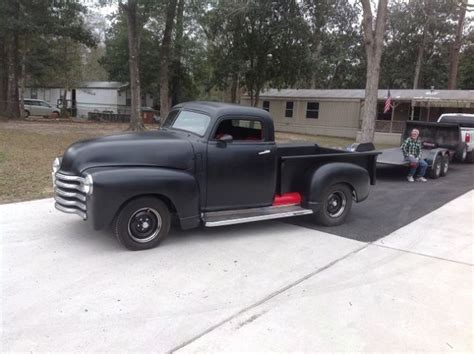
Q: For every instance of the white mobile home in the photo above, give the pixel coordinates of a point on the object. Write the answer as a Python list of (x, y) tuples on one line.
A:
[(338, 112), (90, 96)]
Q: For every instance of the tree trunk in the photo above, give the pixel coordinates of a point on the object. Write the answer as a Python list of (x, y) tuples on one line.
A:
[(22, 80), (13, 104), (164, 60), (456, 48), (234, 87), (136, 122), (421, 48), (373, 39), (3, 77), (178, 52)]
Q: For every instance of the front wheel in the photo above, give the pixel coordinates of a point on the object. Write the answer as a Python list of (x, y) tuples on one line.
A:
[(337, 203), (444, 165), (142, 223)]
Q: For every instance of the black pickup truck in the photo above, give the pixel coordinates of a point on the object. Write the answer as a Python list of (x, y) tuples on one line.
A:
[(210, 163)]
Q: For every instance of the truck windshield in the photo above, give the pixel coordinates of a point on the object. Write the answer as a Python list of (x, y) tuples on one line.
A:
[(193, 122)]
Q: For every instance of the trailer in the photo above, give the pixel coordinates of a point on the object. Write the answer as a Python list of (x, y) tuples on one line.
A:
[(441, 143)]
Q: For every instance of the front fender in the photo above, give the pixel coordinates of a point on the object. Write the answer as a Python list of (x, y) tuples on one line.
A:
[(115, 186), (333, 173)]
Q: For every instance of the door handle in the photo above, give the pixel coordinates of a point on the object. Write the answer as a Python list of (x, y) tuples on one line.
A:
[(264, 152)]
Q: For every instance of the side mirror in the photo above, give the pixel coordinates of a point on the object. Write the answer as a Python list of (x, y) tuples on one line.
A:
[(225, 139)]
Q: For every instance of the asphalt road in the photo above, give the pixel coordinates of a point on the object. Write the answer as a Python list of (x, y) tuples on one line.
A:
[(393, 202)]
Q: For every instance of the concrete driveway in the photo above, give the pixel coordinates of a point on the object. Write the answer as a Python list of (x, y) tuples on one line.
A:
[(268, 286)]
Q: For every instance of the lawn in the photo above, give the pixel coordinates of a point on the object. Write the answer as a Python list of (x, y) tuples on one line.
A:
[(27, 150)]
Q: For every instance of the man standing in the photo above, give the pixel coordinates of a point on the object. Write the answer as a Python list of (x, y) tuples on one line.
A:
[(411, 149)]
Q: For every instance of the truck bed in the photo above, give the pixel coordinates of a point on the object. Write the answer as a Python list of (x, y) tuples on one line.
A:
[(298, 159)]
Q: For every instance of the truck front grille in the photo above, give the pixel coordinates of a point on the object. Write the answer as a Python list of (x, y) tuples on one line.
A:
[(69, 194)]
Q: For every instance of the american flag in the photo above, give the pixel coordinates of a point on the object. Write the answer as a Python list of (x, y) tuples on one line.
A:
[(388, 103)]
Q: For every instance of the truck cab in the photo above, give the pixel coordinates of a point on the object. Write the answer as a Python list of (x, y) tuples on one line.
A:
[(210, 163)]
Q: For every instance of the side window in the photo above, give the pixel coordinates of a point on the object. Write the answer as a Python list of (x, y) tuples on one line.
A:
[(240, 129), (312, 110), (289, 110), (266, 105)]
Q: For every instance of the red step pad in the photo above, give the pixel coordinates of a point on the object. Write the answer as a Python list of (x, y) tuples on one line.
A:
[(287, 198)]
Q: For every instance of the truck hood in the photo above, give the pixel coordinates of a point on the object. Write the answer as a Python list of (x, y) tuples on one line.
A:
[(158, 149)]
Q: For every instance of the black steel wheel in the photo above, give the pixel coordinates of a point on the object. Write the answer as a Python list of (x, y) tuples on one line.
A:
[(27, 113), (142, 223), (336, 205), (444, 165), (435, 169)]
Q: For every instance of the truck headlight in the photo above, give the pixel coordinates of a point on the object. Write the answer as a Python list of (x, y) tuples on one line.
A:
[(88, 184)]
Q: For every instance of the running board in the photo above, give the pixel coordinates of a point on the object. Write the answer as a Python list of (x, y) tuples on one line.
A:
[(230, 217)]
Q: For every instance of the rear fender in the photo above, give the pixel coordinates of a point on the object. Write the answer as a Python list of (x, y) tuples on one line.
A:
[(354, 176), (113, 187)]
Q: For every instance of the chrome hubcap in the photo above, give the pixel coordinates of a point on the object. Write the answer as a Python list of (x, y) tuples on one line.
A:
[(336, 204), (144, 225)]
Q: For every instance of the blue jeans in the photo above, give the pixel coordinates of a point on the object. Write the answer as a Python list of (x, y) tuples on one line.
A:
[(416, 164)]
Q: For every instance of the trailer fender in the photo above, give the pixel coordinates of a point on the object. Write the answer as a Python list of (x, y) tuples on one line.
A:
[(356, 177)]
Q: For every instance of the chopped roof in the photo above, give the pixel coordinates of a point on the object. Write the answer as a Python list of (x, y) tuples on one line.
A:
[(216, 109), (358, 94)]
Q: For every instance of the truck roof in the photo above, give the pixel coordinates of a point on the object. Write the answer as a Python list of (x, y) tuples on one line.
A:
[(217, 109)]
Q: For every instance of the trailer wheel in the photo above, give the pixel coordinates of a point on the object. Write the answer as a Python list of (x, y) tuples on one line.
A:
[(337, 203), (461, 153), (435, 169), (444, 165), (142, 223)]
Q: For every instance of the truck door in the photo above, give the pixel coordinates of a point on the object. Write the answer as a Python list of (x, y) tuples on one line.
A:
[(241, 173)]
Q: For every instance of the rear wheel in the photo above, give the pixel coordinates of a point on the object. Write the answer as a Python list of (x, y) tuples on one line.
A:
[(337, 203), (444, 165), (142, 223), (27, 113), (435, 170)]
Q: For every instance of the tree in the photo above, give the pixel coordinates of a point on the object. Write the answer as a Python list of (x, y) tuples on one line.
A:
[(456, 47), (165, 59), (134, 25), (374, 30)]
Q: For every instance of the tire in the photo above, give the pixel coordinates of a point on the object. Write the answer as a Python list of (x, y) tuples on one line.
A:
[(27, 113), (435, 169), (470, 157), (461, 153), (444, 165), (142, 223), (337, 203)]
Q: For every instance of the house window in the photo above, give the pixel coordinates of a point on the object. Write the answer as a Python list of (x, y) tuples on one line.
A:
[(34, 93), (416, 113), (312, 110), (289, 110), (128, 98), (266, 105)]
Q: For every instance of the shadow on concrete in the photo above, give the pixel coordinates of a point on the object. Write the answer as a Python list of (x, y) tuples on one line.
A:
[(393, 203)]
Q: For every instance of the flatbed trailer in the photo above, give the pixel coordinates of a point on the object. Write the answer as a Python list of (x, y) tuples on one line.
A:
[(441, 144)]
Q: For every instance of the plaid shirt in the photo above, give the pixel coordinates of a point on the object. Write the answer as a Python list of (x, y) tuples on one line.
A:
[(411, 147)]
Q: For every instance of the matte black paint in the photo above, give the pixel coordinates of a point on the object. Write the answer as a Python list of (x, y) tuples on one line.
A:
[(194, 174)]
